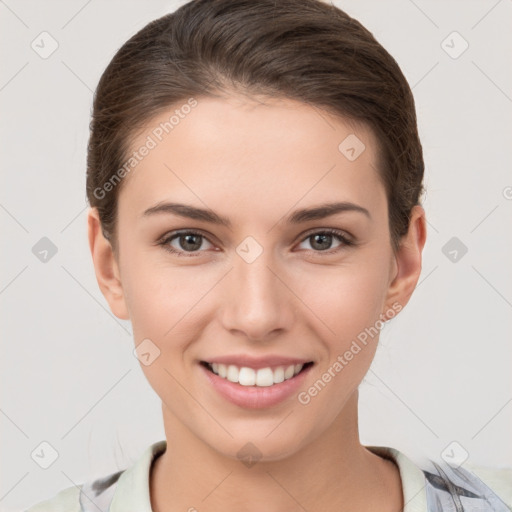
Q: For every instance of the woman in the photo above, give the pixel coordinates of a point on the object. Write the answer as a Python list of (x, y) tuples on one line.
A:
[(254, 175)]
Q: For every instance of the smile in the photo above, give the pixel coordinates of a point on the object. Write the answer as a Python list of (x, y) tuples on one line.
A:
[(261, 377)]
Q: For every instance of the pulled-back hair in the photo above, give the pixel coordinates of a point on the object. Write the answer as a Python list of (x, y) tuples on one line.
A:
[(305, 50)]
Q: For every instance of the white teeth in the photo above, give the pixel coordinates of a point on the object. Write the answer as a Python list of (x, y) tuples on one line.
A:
[(288, 373), (233, 373), (262, 377), (222, 370), (247, 376), (278, 375)]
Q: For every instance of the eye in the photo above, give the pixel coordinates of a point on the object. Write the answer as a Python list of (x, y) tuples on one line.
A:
[(189, 243), (322, 240), (186, 243)]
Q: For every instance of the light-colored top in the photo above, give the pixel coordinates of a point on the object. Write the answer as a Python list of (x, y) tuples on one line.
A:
[(128, 490)]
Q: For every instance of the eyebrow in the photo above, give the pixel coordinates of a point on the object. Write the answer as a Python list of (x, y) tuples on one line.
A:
[(298, 216)]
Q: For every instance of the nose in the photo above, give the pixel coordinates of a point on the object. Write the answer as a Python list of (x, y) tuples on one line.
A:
[(257, 302)]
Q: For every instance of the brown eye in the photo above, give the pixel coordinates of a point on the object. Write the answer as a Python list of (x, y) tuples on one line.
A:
[(184, 242), (322, 241), (190, 242)]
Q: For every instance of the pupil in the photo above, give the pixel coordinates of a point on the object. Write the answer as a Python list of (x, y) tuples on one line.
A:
[(323, 237), (187, 238)]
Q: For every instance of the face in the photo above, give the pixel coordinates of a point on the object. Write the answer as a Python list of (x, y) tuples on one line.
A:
[(264, 279)]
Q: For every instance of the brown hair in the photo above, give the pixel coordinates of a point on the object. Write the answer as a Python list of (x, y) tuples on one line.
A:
[(305, 50)]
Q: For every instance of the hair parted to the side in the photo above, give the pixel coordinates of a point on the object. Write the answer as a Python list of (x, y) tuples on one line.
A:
[(306, 50)]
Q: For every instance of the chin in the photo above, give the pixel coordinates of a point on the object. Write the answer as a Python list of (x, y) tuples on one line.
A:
[(258, 446)]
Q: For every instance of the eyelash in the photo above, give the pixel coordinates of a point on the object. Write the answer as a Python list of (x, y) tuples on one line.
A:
[(164, 242)]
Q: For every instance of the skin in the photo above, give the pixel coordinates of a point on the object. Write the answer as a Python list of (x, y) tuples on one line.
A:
[(254, 162)]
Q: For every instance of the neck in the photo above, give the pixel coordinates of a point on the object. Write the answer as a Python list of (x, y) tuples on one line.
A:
[(334, 472)]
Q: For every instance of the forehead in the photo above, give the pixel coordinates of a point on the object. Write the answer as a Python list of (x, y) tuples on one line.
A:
[(251, 153)]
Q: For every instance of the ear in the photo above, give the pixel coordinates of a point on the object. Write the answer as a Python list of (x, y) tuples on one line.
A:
[(106, 266), (407, 262)]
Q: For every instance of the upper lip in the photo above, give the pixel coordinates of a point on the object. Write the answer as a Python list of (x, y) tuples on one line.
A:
[(257, 362)]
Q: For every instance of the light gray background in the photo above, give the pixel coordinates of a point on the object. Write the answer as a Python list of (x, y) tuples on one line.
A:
[(442, 371)]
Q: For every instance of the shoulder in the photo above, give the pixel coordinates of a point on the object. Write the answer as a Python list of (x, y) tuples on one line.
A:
[(67, 500), (498, 480), (123, 489), (95, 494), (435, 485), (475, 487)]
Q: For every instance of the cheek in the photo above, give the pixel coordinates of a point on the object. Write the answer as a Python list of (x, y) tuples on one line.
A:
[(348, 304), (159, 302), (346, 300), (341, 300), (157, 294), (165, 314), (171, 307)]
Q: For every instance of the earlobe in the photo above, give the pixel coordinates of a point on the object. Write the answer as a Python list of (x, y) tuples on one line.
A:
[(106, 267), (408, 261)]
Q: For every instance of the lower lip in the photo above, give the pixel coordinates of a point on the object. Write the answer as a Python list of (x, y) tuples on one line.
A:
[(255, 397)]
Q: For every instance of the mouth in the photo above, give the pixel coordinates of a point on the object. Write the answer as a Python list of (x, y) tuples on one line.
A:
[(256, 377)]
